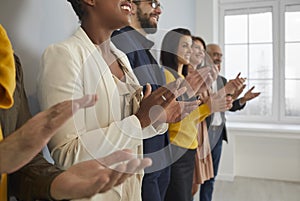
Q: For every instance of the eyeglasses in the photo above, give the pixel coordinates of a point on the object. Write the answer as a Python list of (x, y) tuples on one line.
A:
[(154, 4)]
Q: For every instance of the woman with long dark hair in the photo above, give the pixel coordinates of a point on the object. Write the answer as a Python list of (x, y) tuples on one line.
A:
[(175, 57)]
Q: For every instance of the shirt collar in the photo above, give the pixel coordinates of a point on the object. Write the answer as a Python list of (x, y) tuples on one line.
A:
[(146, 43)]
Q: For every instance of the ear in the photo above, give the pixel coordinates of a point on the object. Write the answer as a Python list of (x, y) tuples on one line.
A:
[(89, 2)]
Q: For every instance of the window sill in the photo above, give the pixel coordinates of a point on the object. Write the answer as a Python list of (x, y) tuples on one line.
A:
[(265, 130)]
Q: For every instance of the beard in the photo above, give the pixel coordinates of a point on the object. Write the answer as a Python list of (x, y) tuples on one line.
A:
[(144, 19), (217, 61)]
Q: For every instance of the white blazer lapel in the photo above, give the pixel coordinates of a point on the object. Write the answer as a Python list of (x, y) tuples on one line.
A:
[(100, 78), (122, 56)]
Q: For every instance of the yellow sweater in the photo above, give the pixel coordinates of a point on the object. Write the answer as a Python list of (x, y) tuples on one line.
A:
[(7, 71), (7, 87), (184, 133)]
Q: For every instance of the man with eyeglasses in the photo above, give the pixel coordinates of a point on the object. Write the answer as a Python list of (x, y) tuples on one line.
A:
[(132, 40), (216, 123)]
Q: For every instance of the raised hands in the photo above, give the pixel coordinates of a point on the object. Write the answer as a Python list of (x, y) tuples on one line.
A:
[(249, 95), (234, 85), (195, 80), (27, 141), (177, 110), (217, 102), (161, 105), (198, 81), (153, 105), (238, 92), (76, 182)]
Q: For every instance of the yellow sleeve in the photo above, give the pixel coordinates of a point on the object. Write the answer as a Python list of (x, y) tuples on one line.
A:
[(7, 71), (169, 76), (200, 113)]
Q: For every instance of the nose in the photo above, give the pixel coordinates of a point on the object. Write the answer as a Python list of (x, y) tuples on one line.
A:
[(158, 10)]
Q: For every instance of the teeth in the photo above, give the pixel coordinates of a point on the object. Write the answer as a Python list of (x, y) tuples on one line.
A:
[(125, 7), (154, 17)]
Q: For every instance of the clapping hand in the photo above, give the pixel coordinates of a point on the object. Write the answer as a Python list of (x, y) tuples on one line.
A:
[(28, 140), (90, 177), (234, 85), (249, 95)]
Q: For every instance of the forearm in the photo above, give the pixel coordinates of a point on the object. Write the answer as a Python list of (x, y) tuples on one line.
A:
[(33, 181), (236, 105), (19, 147), (242, 101)]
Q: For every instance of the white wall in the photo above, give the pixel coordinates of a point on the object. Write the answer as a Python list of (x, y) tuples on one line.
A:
[(32, 25), (207, 20), (175, 14), (178, 13), (261, 151)]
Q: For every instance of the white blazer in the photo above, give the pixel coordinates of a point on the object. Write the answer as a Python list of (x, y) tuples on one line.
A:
[(74, 68)]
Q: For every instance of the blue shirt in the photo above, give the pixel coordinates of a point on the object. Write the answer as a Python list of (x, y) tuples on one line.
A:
[(147, 70)]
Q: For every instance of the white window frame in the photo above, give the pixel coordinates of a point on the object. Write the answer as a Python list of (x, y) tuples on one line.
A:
[(282, 7), (278, 8)]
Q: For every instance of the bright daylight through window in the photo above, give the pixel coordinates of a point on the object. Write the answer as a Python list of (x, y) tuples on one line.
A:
[(264, 44)]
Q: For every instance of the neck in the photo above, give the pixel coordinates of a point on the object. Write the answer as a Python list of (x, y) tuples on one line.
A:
[(137, 25), (98, 35), (179, 70), (105, 48), (194, 64)]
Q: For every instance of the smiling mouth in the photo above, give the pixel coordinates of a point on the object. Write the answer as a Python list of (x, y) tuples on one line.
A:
[(126, 6), (187, 57), (155, 17)]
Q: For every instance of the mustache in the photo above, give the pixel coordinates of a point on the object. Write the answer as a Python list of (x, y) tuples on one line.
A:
[(217, 61), (154, 15)]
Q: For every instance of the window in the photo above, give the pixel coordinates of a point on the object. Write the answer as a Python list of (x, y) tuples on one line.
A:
[(262, 41), (292, 66)]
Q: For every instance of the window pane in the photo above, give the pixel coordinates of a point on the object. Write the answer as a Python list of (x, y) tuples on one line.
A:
[(236, 57), (292, 68), (260, 27), (292, 96), (292, 26), (236, 29), (261, 61), (261, 105)]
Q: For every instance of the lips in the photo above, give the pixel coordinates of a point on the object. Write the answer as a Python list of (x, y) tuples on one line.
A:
[(187, 57), (155, 17), (126, 6), (217, 62)]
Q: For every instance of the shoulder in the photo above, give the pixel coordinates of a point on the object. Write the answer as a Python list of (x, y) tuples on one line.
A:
[(222, 79), (169, 76), (73, 48), (124, 41)]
